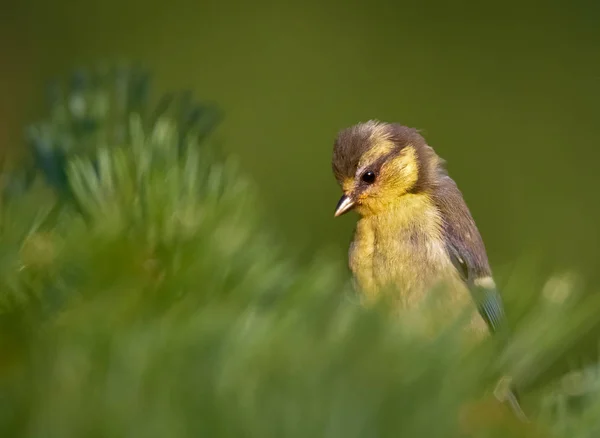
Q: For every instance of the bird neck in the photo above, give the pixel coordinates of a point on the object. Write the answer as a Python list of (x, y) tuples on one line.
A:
[(411, 211)]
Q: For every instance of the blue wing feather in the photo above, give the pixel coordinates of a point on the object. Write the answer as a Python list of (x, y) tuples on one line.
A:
[(487, 298)]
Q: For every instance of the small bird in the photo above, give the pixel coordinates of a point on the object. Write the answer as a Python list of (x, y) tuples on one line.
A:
[(415, 231)]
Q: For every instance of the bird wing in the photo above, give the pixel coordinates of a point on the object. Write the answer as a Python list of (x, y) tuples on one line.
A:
[(467, 252), (483, 290)]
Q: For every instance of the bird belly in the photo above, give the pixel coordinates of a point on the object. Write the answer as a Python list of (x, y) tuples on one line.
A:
[(408, 261), (409, 268)]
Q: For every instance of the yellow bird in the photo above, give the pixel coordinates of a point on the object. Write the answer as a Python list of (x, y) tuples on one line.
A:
[(415, 231)]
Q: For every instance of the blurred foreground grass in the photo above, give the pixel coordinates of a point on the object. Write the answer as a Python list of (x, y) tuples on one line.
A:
[(140, 296)]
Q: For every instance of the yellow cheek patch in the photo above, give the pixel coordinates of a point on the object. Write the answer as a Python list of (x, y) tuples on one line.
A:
[(403, 170)]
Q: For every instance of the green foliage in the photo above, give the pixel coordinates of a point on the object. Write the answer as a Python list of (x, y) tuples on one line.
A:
[(141, 296)]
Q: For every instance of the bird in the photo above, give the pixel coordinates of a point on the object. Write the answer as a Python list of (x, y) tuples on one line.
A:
[(415, 231)]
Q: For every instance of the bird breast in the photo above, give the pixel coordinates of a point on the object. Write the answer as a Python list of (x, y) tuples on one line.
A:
[(404, 251)]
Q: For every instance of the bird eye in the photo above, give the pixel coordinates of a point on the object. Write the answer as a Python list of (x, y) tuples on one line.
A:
[(368, 177)]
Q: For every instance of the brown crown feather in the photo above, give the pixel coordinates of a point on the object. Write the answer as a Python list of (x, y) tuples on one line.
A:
[(352, 143)]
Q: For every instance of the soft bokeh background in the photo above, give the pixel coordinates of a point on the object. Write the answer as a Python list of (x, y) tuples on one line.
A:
[(507, 93)]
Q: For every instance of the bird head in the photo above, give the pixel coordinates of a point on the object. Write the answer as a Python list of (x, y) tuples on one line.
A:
[(377, 163)]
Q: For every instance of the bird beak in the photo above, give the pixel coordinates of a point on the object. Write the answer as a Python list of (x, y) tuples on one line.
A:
[(345, 204)]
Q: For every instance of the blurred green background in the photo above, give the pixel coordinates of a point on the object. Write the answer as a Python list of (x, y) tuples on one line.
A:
[(506, 92)]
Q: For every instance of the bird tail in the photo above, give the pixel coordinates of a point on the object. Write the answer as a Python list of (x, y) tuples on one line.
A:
[(506, 393)]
